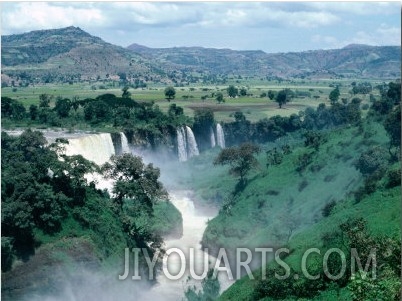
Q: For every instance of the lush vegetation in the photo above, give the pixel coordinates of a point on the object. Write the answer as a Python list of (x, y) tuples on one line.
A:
[(299, 202), (300, 180), (46, 198), (312, 160)]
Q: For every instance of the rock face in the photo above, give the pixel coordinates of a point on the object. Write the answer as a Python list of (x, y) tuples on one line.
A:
[(46, 272)]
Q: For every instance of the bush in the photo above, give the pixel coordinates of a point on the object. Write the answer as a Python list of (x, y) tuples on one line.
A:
[(372, 160), (302, 161), (303, 184), (394, 178), (326, 211), (7, 255)]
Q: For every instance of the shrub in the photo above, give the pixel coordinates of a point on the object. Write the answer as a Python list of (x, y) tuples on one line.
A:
[(372, 160), (302, 161), (394, 178), (303, 184), (326, 211)]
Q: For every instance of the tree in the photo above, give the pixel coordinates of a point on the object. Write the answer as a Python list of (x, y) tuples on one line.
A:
[(313, 139), (75, 103), (271, 94), (243, 91), (284, 96), (62, 107), (373, 160), (97, 110), (219, 97), (232, 91), (334, 95), (170, 93), (44, 100), (33, 111), (175, 110), (134, 180), (393, 127), (362, 88), (29, 198), (394, 92), (239, 116), (12, 108), (126, 93), (210, 287), (241, 159)]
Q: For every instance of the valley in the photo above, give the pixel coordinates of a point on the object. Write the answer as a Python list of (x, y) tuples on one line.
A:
[(107, 150)]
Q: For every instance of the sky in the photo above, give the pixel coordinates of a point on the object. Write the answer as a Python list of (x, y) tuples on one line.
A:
[(268, 26)]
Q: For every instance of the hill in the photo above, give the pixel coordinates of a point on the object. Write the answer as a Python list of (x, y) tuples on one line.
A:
[(71, 54), (361, 61), (68, 54)]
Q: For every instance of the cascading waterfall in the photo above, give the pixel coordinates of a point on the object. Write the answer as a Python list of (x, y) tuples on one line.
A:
[(194, 225), (124, 144), (213, 143), (220, 136), (186, 143), (97, 148), (192, 148), (181, 144)]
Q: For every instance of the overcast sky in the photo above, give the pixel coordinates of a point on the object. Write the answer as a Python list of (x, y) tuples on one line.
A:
[(268, 26)]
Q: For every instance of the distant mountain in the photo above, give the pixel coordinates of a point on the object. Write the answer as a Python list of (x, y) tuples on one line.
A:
[(71, 54), (39, 46), (352, 60), (68, 54)]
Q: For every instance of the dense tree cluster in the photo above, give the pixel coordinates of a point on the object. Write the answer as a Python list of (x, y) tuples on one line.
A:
[(152, 126), (351, 234), (269, 129), (43, 190)]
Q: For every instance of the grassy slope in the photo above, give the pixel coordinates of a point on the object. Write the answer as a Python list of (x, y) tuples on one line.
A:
[(259, 218), (377, 208), (381, 209), (261, 212)]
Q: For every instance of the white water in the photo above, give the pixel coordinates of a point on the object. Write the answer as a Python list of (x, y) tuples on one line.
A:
[(97, 147), (191, 143), (194, 226), (181, 144), (220, 136), (124, 144), (213, 143)]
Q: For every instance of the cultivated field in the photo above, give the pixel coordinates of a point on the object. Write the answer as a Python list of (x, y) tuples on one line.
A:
[(254, 105)]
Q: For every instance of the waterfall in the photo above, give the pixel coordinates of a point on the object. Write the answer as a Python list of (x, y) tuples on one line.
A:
[(220, 136), (97, 148), (124, 144), (181, 144), (213, 143), (191, 143), (194, 225)]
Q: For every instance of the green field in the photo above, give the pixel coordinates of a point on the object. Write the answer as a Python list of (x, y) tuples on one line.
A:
[(189, 97)]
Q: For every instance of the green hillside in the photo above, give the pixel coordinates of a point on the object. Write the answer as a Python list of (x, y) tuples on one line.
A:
[(342, 192)]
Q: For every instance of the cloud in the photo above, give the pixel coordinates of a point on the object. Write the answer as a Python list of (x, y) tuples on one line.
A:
[(26, 16), (356, 8), (261, 14), (326, 41), (247, 25), (30, 16), (151, 13), (384, 35)]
